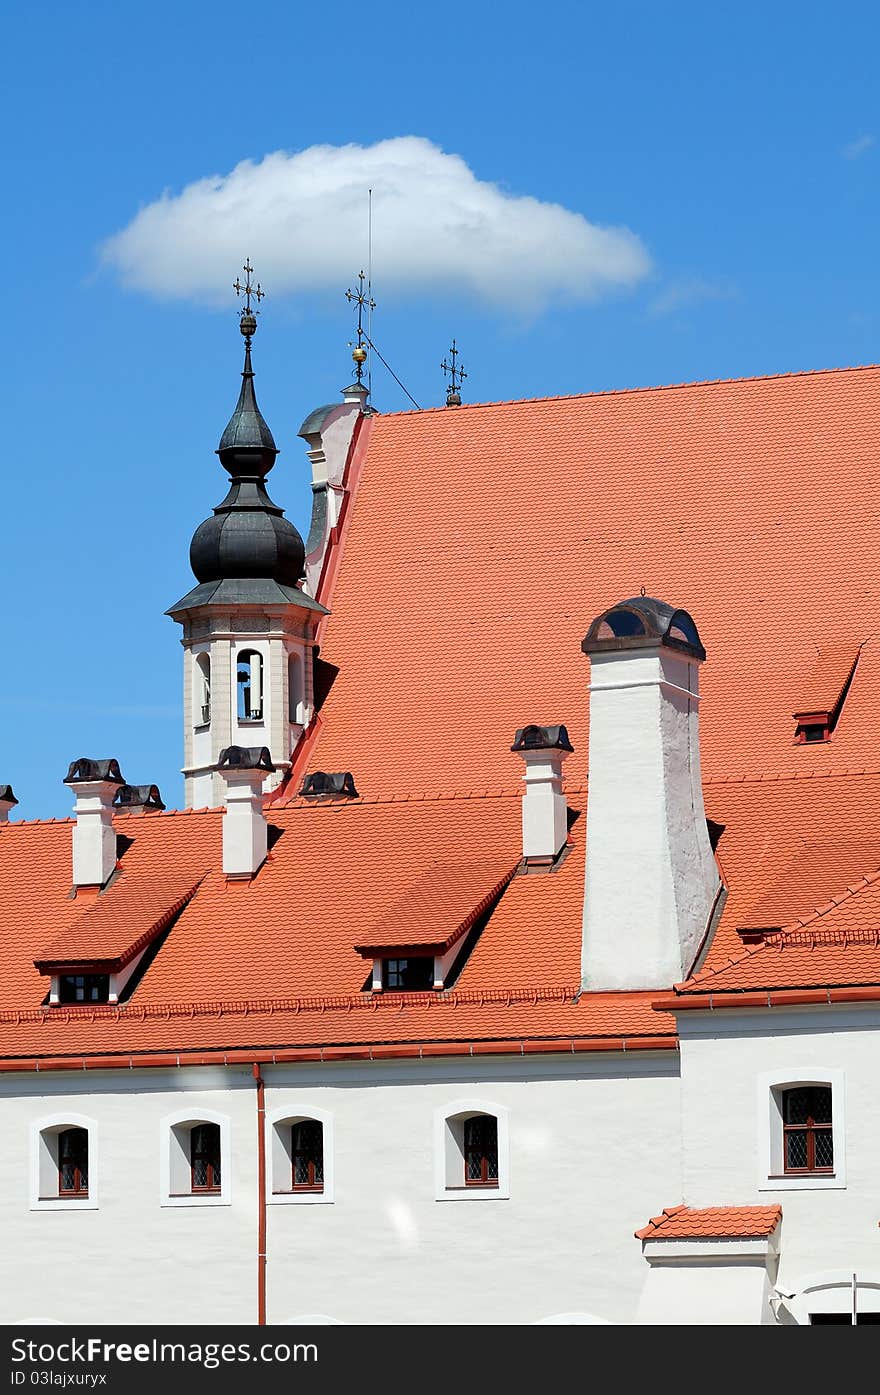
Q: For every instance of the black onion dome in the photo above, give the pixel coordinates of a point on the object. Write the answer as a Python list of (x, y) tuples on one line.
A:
[(248, 535), (247, 542)]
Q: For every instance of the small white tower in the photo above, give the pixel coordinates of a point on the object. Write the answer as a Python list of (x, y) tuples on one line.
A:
[(248, 626)]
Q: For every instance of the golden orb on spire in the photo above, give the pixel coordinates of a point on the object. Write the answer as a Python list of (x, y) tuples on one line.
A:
[(359, 354)]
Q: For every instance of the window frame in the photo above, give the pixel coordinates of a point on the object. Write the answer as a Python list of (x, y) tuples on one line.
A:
[(45, 1133), (808, 1129), (175, 1157), (771, 1087), (279, 1154), (450, 1183), (210, 1187)]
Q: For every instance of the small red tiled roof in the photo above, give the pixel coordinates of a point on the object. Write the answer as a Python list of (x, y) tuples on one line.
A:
[(437, 909), (807, 881), (827, 679), (712, 1223), (122, 921)]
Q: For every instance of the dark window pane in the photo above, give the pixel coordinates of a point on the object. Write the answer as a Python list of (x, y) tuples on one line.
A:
[(73, 1162), (795, 1150), (84, 988), (412, 975), (796, 1106), (308, 1153), (824, 1148), (481, 1149)]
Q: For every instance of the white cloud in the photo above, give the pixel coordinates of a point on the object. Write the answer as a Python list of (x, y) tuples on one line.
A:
[(302, 220), (689, 290), (857, 147)]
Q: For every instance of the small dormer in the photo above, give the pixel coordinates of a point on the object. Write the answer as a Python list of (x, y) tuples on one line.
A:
[(421, 942), (824, 693)]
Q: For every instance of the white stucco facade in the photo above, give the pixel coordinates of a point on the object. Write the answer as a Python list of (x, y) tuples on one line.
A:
[(590, 1147)]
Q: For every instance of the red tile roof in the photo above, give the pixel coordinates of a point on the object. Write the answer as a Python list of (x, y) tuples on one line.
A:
[(438, 908), (119, 924), (827, 679), (712, 1223), (513, 526)]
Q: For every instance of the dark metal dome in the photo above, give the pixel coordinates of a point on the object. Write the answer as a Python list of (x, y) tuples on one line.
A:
[(642, 622)]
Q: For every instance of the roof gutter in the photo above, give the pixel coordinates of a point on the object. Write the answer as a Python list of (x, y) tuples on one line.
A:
[(291, 1055), (766, 998)]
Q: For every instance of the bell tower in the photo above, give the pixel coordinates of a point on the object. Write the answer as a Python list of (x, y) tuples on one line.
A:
[(248, 626)]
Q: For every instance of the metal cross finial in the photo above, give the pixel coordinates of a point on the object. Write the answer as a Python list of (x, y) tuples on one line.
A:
[(364, 301), (247, 318), (456, 374)]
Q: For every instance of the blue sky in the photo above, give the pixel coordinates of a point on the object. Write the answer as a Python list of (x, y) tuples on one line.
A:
[(739, 145)]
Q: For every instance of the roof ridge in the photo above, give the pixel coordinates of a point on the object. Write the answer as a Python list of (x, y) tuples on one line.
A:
[(133, 1011), (633, 391), (297, 801), (119, 814)]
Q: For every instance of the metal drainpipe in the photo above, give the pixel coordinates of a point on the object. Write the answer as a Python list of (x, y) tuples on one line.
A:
[(261, 1196)]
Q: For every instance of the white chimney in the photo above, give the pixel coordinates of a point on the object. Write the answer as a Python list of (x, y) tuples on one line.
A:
[(244, 769), (544, 807), (94, 782), (8, 802), (651, 880)]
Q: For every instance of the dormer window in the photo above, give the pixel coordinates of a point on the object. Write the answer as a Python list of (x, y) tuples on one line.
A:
[(202, 695), (415, 975), (824, 694), (250, 686), (84, 988)]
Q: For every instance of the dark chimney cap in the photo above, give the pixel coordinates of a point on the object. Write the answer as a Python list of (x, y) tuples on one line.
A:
[(643, 622), (87, 771), (138, 797), (339, 783), (245, 758), (535, 738), (6, 795)]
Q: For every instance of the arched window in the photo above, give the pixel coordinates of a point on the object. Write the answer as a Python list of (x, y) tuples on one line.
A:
[(73, 1162), (194, 1160), (801, 1129), (472, 1151), (300, 1148), (63, 1163), (202, 695), (295, 702), (204, 1155), (250, 686)]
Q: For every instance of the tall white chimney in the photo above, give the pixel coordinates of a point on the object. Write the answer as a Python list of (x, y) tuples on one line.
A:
[(651, 880), (8, 802), (94, 783), (544, 806), (243, 770)]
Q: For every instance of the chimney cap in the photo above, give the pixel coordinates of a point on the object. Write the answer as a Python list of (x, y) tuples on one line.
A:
[(643, 622), (6, 795), (322, 782), (138, 797), (244, 758), (535, 738), (86, 771)]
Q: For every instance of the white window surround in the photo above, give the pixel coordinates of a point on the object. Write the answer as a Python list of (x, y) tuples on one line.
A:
[(449, 1156), (174, 1158), (278, 1158), (43, 1172), (770, 1086)]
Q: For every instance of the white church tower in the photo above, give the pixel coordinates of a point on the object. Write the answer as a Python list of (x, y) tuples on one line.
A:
[(248, 626)]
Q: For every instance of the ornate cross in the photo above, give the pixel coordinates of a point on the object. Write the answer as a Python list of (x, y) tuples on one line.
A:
[(248, 322), (364, 301), (456, 374)]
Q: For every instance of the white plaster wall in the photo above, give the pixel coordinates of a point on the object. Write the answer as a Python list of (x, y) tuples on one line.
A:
[(699, 1294), (826, 1226), (593, 1153)]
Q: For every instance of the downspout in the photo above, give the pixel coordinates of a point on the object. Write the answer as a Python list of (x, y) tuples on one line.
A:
[(261, 1196)]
